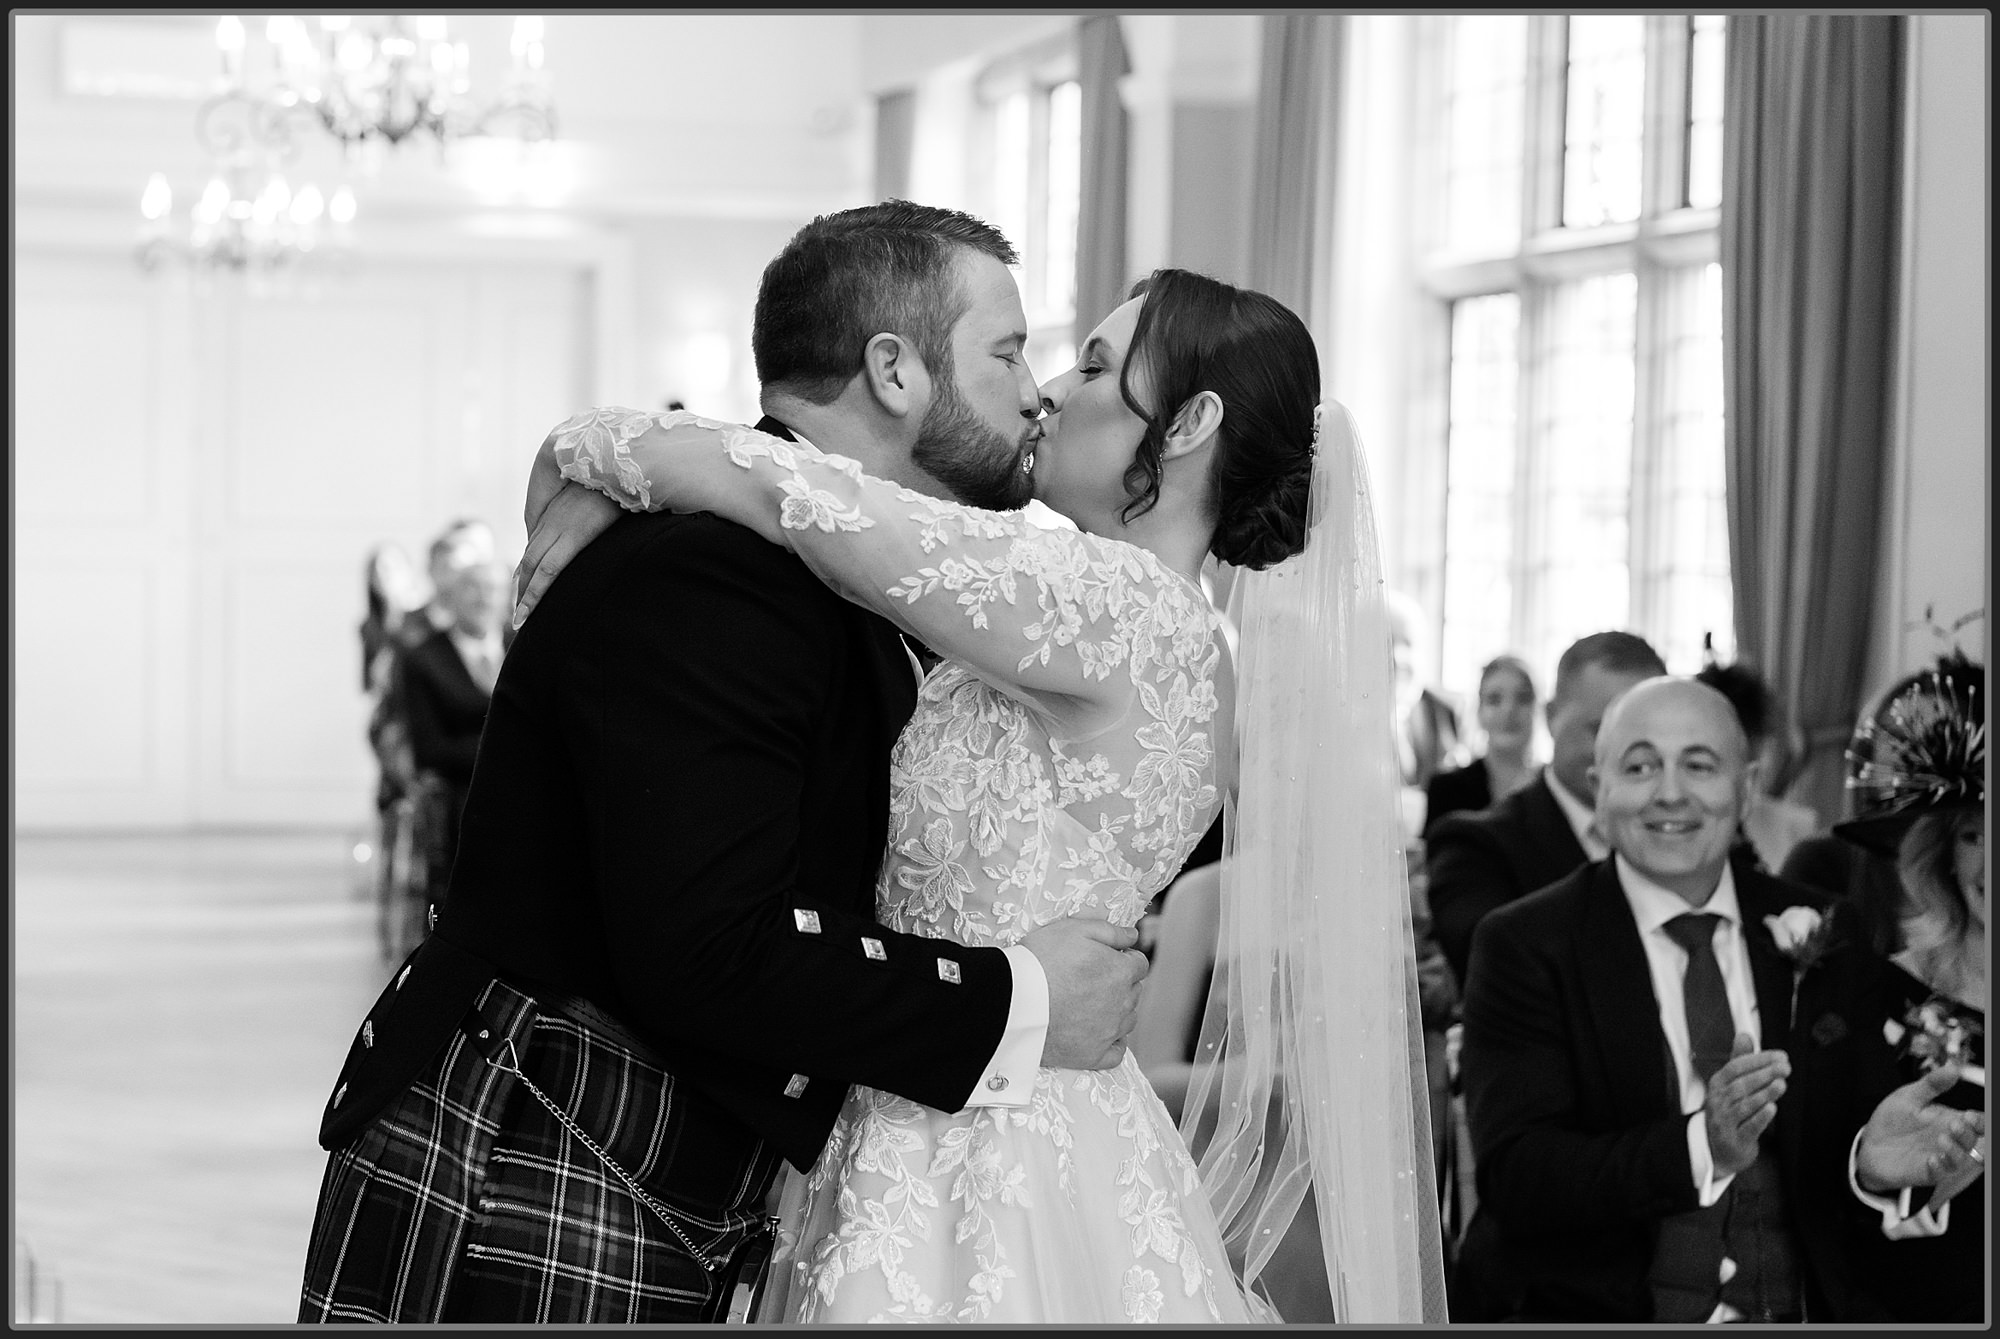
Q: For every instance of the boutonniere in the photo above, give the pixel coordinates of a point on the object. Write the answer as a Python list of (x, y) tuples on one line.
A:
[(1800, 934)]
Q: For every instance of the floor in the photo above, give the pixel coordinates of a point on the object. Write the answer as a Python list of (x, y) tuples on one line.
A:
[(181, 1007)]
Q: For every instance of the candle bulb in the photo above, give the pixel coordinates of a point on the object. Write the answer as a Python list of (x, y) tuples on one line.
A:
[(158, 201)]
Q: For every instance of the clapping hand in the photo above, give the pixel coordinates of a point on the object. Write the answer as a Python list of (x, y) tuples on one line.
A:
[(1742, 1101), (1913, 1140)]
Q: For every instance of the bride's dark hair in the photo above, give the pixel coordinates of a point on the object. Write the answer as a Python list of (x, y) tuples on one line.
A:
[(1198, 334)]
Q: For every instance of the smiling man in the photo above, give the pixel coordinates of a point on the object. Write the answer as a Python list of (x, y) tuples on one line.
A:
[(1621, 1058)]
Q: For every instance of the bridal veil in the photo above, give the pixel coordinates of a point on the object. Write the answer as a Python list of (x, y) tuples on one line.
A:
[(1309, 1093)]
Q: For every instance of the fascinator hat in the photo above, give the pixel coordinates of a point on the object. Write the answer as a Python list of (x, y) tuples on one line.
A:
[(1923, 751)]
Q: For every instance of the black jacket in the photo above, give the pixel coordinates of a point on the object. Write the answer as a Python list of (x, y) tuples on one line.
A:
[(1573, 1101), (1483, 860), (678, 812)]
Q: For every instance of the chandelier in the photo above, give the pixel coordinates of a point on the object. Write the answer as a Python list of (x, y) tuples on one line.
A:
[(368, 89), (407, 76)]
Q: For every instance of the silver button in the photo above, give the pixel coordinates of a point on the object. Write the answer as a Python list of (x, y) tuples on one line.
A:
[(433, 916), (796, 1085), (339, 1094), (873, 948), (368, 1033), (948, 971), (998, 1083), (808, 921)]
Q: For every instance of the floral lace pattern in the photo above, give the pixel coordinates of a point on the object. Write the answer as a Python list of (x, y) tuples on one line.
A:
[(1010, 808)]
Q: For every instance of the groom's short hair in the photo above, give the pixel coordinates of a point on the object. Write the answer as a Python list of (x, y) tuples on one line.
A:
[(845, 278)]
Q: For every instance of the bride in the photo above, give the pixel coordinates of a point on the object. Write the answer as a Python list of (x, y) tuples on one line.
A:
[(1084, 729)]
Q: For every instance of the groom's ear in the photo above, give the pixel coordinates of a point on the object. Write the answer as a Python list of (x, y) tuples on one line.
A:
[(895, 376)]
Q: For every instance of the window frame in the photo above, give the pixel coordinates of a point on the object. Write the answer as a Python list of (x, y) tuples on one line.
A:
[(1667, 238), (1036, 71)]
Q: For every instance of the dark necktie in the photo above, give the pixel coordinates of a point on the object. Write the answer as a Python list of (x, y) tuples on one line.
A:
[(1711, 1030)]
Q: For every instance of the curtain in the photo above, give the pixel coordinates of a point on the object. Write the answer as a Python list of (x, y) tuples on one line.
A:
[(1292, 180), (1812, 118), (1101, 281), (895, 136)]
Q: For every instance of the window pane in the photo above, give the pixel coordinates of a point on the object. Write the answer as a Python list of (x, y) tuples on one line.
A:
[(1485, 95), (1065, 187), (1704, 134), (1051, 352), (1583, 563), (1479, 487), (1605, 119), (1010, 169), (1693, 587)]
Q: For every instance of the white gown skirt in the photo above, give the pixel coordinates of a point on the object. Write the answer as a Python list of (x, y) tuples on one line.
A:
[(1082, 1207)]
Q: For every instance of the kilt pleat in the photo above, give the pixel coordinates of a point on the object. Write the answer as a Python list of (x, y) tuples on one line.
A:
[(466, 1200)]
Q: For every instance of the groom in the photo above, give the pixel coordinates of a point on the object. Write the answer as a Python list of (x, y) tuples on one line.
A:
[(659, 929)]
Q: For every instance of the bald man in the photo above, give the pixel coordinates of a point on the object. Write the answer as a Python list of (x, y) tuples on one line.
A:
[(1623, 1061), (1623, 1064)]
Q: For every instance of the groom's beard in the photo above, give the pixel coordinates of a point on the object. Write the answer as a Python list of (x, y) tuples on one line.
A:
[(980, 466)]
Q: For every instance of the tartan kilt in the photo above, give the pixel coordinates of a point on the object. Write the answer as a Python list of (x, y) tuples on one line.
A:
[(466, 1200)]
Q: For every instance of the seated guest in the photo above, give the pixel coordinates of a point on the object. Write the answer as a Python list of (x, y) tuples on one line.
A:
[(392, 597), (1774, 825), (1478, 861), (465, 540), (1621, 1056), (1507, 718), (447, 678), (1896, 993)]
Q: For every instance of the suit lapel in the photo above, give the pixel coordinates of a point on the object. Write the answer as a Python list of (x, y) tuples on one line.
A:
[(1757, 896), (1618, 995)]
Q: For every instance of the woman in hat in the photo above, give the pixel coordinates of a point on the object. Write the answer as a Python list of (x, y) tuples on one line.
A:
[(1894, 997)]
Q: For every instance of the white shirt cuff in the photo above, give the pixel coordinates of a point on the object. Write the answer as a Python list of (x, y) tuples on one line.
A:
[(1707, 1185), (1898, 1223), (1009, 1079)]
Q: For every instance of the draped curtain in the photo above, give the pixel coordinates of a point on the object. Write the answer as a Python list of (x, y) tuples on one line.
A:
[(1292, 180), (895, 139), (1101, 281), (1812, 120)]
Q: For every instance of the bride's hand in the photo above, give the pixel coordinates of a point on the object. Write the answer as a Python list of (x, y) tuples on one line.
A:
[(560, 528)]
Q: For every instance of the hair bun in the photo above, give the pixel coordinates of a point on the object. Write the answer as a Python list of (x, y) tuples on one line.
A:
[(1267, 527)]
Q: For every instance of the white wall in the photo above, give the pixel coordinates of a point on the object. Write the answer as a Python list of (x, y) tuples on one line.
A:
[(199, 475), (1937, 540)]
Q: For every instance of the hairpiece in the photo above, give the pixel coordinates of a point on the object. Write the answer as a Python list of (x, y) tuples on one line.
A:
[(1923, 750)]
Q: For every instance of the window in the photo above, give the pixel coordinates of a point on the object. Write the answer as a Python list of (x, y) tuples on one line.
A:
[(1566, 194), (1031, 114)]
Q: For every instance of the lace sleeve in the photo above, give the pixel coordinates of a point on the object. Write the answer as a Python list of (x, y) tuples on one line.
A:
[(1051, 612)]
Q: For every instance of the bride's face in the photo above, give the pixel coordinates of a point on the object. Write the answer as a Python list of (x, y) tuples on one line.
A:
[(1090, 435)]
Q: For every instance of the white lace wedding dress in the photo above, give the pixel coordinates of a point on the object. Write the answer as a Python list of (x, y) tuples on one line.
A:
[(1062, 762)]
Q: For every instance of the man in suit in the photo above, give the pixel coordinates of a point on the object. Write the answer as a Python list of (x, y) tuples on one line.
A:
[(1621, 1060), (659, 933), (446, 681), (1479, 861)]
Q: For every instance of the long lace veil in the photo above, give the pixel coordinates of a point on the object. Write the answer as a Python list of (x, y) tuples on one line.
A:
[(1308, 1099)]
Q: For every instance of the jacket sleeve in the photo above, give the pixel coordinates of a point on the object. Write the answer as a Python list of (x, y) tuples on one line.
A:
[(435, 746), (698, 732), (1468, 877), (1537, 1164)]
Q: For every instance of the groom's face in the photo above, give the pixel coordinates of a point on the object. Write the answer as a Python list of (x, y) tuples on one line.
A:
[(980, 429)]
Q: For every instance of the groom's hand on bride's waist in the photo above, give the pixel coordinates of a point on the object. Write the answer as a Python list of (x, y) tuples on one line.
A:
[(1094, 971)]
